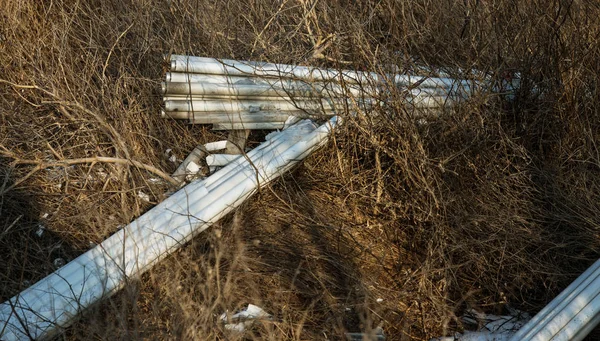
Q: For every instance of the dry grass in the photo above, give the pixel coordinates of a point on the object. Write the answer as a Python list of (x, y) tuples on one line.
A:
[(494, 203)]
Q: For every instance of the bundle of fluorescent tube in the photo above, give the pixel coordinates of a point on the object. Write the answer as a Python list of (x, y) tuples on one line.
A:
[(50, 305), (234, 94)]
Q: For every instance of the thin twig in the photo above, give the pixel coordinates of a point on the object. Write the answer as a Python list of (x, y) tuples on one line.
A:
[(110, 130), (112, 50), (63, 163)]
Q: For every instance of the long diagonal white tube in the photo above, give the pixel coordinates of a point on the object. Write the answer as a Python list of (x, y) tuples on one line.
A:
[(579, 321), (51, 304), (586, 329), (572, 314)]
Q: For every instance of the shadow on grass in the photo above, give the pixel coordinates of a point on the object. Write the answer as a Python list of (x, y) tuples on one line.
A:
[(29, 250), (307, 264)]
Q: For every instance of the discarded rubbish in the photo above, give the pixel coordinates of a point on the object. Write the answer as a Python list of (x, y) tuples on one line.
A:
[(214, 146), (242, 95), (143, 196), (50, 305), (188, 169), (40, 230), (59, 262), (244, 319), (192, 168)]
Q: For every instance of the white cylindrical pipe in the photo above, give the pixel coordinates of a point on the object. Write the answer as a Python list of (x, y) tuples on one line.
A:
[(330, 88), (232, 117), (220, 159), (268, 99), (558, 303), (238, 68), (585, 319), (250, 126), (587, 328), (265, 88), (240, 120), (418, 92), (566, 312), (276, 82), (235, 90), (180, 91), (255, 106), (226, 98), (217, 145), (204, 78), (422, 100), (52, 303), (209, 117)]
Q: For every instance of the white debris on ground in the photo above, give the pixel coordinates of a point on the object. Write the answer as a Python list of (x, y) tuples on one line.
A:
[(215, 146), (171, 156), (491, 327), (40, 230), (192, 168), (59, 262), (145, 197), (244, 319), (40, 227)]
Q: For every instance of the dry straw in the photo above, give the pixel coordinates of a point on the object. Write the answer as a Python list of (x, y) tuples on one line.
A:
[(494, 203)]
